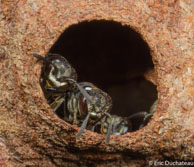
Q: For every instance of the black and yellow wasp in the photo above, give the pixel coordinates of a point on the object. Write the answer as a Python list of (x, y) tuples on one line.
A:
[(121, 125), (79, 112), (83, 103)]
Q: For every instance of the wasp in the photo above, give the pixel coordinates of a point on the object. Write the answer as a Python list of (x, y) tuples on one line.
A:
[(58, 76), (78, 111), (101, 106), (120, 125), (57, 73)]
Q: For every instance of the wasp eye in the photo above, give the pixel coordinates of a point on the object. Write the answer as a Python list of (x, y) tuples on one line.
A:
[(83, 105), (84, 100)]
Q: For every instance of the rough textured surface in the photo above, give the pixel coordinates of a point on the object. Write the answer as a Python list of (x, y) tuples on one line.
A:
[(31, 135)]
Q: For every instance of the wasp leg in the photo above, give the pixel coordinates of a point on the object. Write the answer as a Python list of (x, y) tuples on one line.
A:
[(57, 103), (49, 92), (75, 120), (109, 128), (50, 99), (65, 112), (53, 91), (94, 126), (83, 126)]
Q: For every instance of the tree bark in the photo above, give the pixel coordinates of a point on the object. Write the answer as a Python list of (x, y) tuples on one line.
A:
[(32, 135)]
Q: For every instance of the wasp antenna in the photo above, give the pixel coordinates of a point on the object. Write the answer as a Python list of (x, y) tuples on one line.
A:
[(137, 115), (145, 120), (83, 126), (53, 54), (85, 94), (148, 115), (39, 57), (43, 59), (82, 90), (109, 128)]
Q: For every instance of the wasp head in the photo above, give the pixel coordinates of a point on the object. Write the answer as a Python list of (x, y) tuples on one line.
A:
[(100, 101), (57, 72), (100, 104), (120, 125)]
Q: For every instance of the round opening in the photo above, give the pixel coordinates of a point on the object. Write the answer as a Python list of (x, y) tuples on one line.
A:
[(114, 58)]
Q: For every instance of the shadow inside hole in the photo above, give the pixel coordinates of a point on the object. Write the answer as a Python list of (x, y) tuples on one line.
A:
[(136, 95), (114, 58)]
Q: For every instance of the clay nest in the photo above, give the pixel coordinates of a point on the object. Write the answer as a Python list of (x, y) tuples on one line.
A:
[(159, 33)]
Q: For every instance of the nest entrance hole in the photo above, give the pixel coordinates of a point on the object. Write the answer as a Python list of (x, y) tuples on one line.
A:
[(114, 58)]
